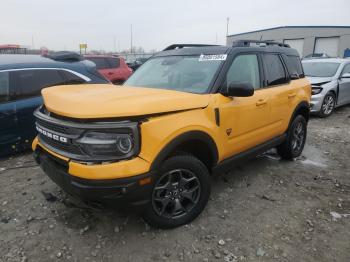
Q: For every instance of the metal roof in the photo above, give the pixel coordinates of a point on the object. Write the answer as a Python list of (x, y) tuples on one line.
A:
[(280, 27)]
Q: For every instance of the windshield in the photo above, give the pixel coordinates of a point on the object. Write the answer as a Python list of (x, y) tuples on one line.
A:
[(181, 73), (320, 69)]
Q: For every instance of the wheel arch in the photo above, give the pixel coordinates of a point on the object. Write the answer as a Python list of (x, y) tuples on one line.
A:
[(303, 108), (198, 143)]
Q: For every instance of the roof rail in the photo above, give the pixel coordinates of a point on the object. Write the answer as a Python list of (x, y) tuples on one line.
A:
[(240, 43), (65, 56), (179, 46)]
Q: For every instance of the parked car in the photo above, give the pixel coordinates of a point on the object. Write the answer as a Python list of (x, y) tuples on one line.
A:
[(189, 111), (330, 79), (21, 79), (137, 63), (113, 68), (317, 56)]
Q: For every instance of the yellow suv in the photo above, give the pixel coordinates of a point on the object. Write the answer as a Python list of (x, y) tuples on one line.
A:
[(188, 112)]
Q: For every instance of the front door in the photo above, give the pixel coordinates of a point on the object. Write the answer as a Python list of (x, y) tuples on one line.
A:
[(9, 135), (245, 120), (344, 86)]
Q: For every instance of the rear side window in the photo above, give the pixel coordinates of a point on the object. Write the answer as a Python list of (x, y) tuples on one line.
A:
[(4, 87), (294, 65), (71, 78), (100, 62), (113, 62), (28, 83), (275, 73)]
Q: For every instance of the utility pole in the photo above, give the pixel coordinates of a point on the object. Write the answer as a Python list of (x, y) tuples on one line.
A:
[(32, 41), (227, 23), (115, 44), (131, 38)]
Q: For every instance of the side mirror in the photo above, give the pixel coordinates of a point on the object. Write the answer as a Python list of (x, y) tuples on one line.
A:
[(239, 89), (345, 75), (294, 76)]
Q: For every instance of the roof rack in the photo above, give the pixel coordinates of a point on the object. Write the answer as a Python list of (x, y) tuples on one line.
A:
[(241, 43), (65, 56), (179, 46)]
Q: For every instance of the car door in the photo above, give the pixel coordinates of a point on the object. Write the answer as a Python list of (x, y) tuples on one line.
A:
[(28, 85), (245, 120), (115, 71), (344, 86), (9, 133), (283, 92), (103, 67)]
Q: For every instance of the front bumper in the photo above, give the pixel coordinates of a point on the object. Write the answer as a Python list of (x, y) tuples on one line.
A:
[(316, 103), (134, 190)]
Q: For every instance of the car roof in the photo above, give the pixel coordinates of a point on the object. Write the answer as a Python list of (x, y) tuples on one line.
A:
[(325, 60), (102, 56), (215, 50), (13, 61)]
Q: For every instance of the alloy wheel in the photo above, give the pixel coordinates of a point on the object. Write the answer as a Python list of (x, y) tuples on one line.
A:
[(328, 105), (176, 193), (298, 137)]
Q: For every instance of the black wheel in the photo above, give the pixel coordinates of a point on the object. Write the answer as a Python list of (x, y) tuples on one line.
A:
[(328, 105), (180, 192), (295, 141)]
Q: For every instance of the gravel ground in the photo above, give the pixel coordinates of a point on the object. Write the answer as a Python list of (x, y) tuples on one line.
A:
[(263, 210)]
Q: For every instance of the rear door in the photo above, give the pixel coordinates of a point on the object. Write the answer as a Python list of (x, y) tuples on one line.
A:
[(9, 133), (344, 87), (116, 74), (28, 86), (102, 66), (282, 92)]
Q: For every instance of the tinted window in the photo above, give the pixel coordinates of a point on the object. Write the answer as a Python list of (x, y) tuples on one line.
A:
[(320, 69), (28, 83), (4, 86), (71, 78), (294, 65), (113, 62), (275, 74), (245, 68), (101, 63)]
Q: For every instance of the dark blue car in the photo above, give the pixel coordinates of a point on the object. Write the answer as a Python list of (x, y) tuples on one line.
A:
[(21, 79)]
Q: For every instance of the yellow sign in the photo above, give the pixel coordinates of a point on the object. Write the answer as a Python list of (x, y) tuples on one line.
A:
[(83, 46)]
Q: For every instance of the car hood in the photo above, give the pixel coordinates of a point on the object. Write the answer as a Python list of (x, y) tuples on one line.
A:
[(109, 101), (319, 80)]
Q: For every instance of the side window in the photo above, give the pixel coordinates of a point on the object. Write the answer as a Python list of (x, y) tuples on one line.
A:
[(28, 83), (71, 78), (245, 68), (294, 65), (100, 62), (275, 73), (346, 69), (114, 62), (4, 87)]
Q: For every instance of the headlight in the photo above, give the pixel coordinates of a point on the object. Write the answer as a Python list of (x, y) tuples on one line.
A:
[(316, 90), (106, 144)]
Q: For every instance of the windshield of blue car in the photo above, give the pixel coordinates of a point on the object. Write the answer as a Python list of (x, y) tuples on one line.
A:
[(320, 69), (191, 74)]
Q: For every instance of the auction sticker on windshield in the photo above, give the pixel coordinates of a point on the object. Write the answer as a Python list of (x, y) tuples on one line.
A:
[(221, 57)]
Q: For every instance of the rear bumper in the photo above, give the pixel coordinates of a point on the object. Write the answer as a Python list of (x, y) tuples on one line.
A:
[(129, 190)]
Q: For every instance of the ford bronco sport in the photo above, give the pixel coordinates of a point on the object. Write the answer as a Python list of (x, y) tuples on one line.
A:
[(188, 112)]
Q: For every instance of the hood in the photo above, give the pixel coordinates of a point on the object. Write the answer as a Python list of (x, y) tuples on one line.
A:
[(319, 80), (109, 101)]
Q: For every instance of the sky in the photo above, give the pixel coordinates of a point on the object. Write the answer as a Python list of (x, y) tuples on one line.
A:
[(105, 24)]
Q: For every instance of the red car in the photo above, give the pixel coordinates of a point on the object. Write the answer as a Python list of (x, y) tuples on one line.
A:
[(111, 67)]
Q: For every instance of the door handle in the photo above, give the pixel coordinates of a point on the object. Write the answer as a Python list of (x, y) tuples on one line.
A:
[(292, 95), (261, 102)]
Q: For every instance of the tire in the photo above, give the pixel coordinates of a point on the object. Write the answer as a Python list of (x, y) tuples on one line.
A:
[(180, 192), (296, 136), (328, 105)]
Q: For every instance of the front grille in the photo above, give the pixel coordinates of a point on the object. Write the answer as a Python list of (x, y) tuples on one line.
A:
[(65, 147)]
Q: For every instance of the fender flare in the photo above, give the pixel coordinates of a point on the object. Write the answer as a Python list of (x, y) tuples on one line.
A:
[(301, 105), (177, 141)]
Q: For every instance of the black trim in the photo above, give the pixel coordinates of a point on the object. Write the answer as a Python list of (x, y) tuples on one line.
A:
[(127, 190), (302, 105), (179, 46), (217, 116), (235, 160), (189, 136)]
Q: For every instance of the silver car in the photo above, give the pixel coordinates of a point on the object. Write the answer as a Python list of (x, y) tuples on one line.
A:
[(330, 81)]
